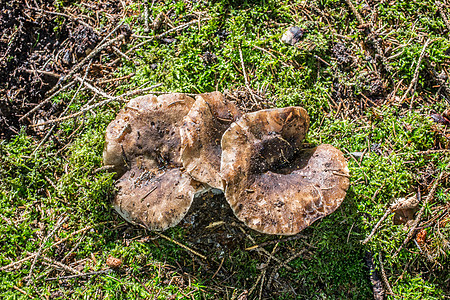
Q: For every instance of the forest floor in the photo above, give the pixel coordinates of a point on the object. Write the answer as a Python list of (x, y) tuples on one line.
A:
[(373, 76)]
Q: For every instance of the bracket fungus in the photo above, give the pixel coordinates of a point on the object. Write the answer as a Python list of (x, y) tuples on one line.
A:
[(201, 134), (143, 146), (272, 184)]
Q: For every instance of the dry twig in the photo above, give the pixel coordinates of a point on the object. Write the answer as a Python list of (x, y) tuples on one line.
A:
[(91, 55), (355, 12), (413, 83), (247, 85), (429, 198), (384, 277), (60, 222), (94, 106), (181, 245), (262, 250), (13, 264), (60, 265), (46, 100), (79, 275), (440, 6), (284, 264)]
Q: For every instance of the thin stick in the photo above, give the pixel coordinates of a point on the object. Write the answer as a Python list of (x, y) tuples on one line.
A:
[(284, 264), (65, 110), (442, 12), (263, 273), (93, 88), (388, 211), (218, 269), (60, 222), (22, 291), (73, 248), (146, 16), (271, 54), (94, 52), (79, 275), (287, 239), (181, 245), (427, 152), (416, 73), (94, 106), (60, 265), (355, 12), (116, 79), (69, 85), (13, 264), (247, 85), (151, 38), (264, 251), (384, 277), (420, 213)]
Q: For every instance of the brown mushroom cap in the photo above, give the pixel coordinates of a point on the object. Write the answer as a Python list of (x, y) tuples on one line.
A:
[(156, 201), (210, 116), (143, 145), (273, 185), (146, 133)]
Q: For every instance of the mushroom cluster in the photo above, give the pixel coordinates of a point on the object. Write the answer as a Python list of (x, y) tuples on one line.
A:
[(168, 149)]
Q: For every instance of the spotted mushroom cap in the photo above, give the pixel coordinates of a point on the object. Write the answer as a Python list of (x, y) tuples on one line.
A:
[(210, 116), (272, 184), (146, 133), (156, 200)]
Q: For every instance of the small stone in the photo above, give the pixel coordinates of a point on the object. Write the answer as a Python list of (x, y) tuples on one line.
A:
[(293, 35)]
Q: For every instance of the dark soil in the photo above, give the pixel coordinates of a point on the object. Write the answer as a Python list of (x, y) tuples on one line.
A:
[(36, 47)]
